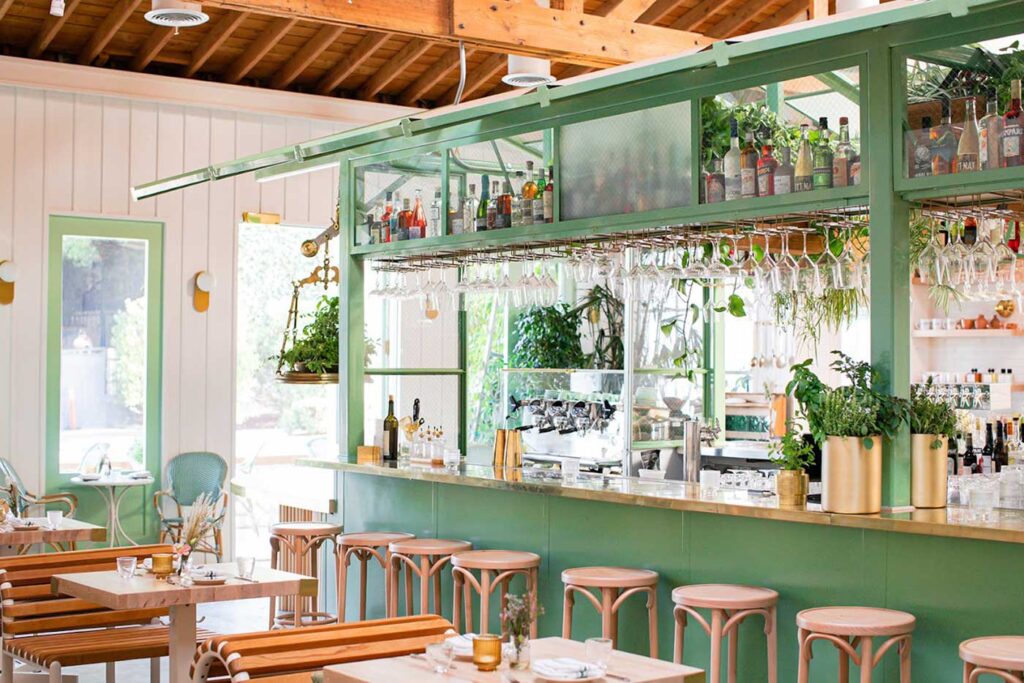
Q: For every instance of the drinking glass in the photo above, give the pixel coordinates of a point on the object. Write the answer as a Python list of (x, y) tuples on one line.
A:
[(246, 567), (984, 493), (808, 274), (440, 656), (126, 567), (599, 652), (717, 269), (54, 518), (930, 261), (787, 268), (570, 470)]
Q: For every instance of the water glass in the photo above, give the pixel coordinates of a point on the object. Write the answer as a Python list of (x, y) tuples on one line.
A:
[(54, 518), (440, 656), (452, 458), (570, 470), (709, 480), (126, 567), (246, 567), (599, 652), (984, 493)]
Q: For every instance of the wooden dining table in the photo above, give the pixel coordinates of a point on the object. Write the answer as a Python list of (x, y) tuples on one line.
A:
[(108, 589), (623, 666), (39, 531)]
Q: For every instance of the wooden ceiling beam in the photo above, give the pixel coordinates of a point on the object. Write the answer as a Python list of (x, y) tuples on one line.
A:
[(658, 11), (315, 47), (213, 39), (791, 11), (258, 49), (159, 37), (573, 70), (818, 9), (477, 78), (370, 43), (113, 22), (568, 5), (4, 6), (703, 10), (626, 10), (732, 24), (51, 27), (434, 74), (412, 51)]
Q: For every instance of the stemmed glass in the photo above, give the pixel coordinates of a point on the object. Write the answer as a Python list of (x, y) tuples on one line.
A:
[(787, 270), (982, 265), (930, 262), (808, 275), (717, 269)]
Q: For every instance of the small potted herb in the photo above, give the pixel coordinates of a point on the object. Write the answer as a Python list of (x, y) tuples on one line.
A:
[(793, 455), (848, 422), (932, 425), (316, 349)]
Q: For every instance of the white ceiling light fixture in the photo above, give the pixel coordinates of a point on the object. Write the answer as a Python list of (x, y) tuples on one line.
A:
[(57, 8), (529, 72), (176, 14)]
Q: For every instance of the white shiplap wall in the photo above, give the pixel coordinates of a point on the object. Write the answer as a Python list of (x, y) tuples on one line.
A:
[(68, 152)]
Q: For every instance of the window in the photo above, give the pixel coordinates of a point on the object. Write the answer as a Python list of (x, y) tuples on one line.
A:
[(103, 367)]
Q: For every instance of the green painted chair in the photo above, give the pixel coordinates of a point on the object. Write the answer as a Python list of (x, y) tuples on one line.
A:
[(189, 475)]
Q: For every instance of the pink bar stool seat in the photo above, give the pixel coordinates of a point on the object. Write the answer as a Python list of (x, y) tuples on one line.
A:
[(850, 628), (729, 605), (615, 584), (497, 569), (1001, 656), (426, 558), (364, 546)]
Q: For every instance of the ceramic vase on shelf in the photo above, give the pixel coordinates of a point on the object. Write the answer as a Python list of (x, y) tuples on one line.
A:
[(928, 476), (851, 475), (791, 486)]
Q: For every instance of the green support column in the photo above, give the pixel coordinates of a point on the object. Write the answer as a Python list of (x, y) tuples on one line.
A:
[(776, 97), (351, 342), (890, 266)]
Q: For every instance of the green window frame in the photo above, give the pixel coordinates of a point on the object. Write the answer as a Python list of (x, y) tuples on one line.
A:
[(152, 232)]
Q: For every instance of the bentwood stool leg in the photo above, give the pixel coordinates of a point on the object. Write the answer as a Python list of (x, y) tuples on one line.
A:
[(607, 603), (344, 557), (734, 646), (567, 603), (273, 565), (716, 645), (867, 654), (425, 564), (844, 664), (904, 650), (652, 621), (437, 583), (363, 558), (456, 601), (680, 633), (773, 645), (804, 665)]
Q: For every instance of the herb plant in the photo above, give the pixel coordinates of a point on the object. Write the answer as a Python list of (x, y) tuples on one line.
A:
[(317, 345), (791, 452), (930, 416)]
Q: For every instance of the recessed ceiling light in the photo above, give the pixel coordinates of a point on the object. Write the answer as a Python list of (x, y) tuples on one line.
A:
[(527, 72)]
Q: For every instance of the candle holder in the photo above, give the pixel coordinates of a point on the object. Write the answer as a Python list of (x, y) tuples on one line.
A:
[(163, 565), (487, 652)]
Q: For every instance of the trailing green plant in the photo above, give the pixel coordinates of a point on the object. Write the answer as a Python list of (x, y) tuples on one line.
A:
[(943, 296), (791, 452), (547, 337), (755, 117), (931, 416), (858, 409), (316, 347)]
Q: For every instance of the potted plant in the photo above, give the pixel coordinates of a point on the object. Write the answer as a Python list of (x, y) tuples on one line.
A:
[(793, 455), (316, 349), (932, 425), (848, 422)]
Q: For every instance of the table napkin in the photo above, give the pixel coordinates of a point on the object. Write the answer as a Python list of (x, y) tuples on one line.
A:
[(462, 645), (565, 668)]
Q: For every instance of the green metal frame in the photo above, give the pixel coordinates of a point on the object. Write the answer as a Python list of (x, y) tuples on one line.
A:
[(152, 232)]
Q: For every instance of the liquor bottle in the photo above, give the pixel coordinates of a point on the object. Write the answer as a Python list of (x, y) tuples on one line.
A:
[(529, 194), (505, 206), (538, 199), (823, 156), (842, 160), (944, 144), (456, 214), (406, 218), (1014, 241), (987, 451), (549, 197), (967, 154), (804, 171), (373, 220), (766, 165), (999, 457), (469, 209), (434, 225), (784, 173), (970, 464), (748, 167), (953, 456), (396, 214), (516, 201), (482, 207), (390, 442), (714, 181), (418, 223), (990, 132), (1013, 129), (733, 181), (492, 207), (922, 150)]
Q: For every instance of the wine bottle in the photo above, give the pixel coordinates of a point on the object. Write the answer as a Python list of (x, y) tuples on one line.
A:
[(1000, 458), (987, 451), (733, 182), (391, 431)]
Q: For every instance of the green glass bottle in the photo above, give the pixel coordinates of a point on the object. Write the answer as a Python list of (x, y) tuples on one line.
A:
[(481, 209), (823, 157)]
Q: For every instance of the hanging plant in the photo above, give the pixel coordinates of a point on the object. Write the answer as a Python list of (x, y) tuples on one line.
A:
[(315, 350)]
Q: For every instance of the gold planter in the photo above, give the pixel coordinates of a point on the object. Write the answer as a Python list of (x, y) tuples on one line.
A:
[(928, 471), (792, 488), (851, 475)]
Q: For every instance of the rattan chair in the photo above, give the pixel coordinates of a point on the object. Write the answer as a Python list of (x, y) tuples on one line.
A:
[(189, 475), (19, 499)]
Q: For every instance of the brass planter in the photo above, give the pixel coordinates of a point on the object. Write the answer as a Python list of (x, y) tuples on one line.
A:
[(851, 475), (792, 488), (928, 472)]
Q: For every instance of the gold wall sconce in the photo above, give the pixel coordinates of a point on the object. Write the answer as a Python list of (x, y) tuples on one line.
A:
[(203, 283), (8, 275)]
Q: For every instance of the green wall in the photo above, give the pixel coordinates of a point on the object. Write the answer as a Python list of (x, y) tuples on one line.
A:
[(956, 588)]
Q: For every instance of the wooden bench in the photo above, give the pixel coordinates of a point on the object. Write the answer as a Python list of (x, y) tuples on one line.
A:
[(52, 631), (270, 654)]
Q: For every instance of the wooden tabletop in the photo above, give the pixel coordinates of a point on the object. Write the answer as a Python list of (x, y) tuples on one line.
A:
[(68, 531), (144, 591), (637, 668)]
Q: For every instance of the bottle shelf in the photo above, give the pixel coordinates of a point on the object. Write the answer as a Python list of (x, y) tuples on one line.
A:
[(966, 334)]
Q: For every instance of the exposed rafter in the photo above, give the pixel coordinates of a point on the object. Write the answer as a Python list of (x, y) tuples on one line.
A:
[(703, 10), (413, 50), (370, 43), (51, 27), (432, 76), (797, 9), (159, 37), (574, 70), (735, 22), (627, 10), (478, 77), (213, 39), (291, 70), (4, 6), (111, 24), (658, 11), (817, 9), (258, 49)]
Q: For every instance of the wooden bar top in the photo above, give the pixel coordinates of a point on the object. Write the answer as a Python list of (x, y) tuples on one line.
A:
[(635, 668), (1004, 525)]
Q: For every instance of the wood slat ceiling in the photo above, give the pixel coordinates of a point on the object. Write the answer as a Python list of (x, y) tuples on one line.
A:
[(305, 56)]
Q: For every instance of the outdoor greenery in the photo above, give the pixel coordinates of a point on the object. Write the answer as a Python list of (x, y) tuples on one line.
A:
[(603, 313), (128, 339), (931, 416), (316, 348), (485, 356), (858, 409), (791, 452), (547, 337)]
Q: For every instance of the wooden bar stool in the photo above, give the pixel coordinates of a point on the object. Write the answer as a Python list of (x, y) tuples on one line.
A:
[(364, 546), (850, 628), (729, 605), (615, 584), (295, 547), (424, 557), (1000, 656), (497, 568)]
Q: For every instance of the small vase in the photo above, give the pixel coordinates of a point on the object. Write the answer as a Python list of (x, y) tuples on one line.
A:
[(928, 475), (517, 653), (851, 475), (792, 488), (185, 570)]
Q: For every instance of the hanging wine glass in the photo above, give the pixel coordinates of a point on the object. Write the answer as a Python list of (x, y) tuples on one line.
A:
[(717, 269), (982, 264), (1005, 266), (808, 274), (786, 267), (930, 262), (955, 260)]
